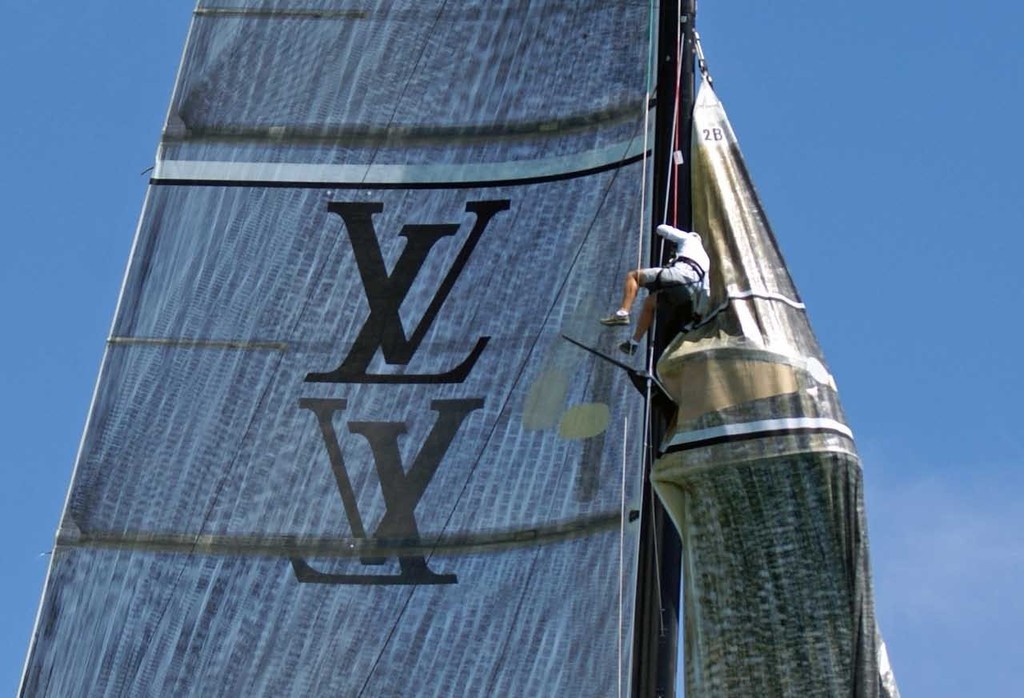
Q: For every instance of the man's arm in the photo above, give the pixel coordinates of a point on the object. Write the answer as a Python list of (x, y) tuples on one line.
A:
[(674, 234)]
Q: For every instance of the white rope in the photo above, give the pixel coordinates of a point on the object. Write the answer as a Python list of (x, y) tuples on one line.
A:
[(674, 141), (641, 237), (641, 230), (654, 522), (642, 227), (673, 144), (622, 545)]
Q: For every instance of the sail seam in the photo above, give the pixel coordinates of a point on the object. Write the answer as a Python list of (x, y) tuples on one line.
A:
[(399, 136), (220, 12), (199, 343), (296, 546)]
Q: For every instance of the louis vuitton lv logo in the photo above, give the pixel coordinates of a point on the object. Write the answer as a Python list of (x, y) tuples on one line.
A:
[(385, 293), (402, 489)]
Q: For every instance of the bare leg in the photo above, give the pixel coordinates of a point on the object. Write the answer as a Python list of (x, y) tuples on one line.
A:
[(629, 292), (646, 316)]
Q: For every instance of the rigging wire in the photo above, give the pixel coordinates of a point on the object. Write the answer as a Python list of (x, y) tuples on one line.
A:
[(672, 179), (673, 163), (622, 546), (652, 57), (701, 63), (671, 174)]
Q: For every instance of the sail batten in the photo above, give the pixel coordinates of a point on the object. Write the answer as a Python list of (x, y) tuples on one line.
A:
[(404, 135), (301, 546), (483, 175), (183, 342)]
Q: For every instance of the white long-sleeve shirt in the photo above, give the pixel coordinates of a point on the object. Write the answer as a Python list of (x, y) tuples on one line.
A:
[(688, 245)]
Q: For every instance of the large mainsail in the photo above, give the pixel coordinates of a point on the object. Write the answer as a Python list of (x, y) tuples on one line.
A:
[(338, 445), (759, 469)]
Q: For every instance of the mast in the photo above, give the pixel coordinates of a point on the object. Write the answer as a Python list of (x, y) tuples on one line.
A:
[(658, 579)]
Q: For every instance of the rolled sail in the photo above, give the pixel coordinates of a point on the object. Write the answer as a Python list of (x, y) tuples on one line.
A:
[(338, 446), (759, 469)]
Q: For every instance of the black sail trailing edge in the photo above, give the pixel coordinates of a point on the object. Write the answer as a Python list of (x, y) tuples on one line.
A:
[(338, 445), (759, 470)]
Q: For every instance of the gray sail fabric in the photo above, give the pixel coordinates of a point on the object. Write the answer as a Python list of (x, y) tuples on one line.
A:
[(338, 445), (759, 469)]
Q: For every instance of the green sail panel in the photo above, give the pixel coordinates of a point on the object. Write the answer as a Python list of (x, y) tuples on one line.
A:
[(759, 470), (338, 445)]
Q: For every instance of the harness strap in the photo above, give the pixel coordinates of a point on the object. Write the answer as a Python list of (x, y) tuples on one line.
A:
[(690, 263)]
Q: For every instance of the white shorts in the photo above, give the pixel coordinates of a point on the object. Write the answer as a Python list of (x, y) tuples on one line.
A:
[(677, 283)]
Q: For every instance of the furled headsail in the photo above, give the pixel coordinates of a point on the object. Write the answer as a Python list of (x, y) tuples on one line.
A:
[(337, 445), (759, 469)]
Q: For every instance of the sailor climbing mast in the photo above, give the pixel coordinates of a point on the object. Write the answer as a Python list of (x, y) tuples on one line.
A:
[(658, 580), (757, 469)]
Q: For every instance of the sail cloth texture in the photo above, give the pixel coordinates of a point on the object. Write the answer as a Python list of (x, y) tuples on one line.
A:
[(759, 470), (338, 446)]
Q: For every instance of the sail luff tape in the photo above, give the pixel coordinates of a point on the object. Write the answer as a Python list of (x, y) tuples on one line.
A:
[(763, 427)]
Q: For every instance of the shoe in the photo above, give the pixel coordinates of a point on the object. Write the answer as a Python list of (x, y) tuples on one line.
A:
[(628, 348), (615, 319)]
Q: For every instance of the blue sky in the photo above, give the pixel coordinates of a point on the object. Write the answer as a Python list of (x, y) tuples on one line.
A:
[(885, 139)]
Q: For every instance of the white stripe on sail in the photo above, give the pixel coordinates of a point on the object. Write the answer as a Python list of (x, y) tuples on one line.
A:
[(285, 172), (761, 426), (736, 295)]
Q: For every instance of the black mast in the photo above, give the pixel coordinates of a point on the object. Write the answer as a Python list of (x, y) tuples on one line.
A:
[(656, 629)]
